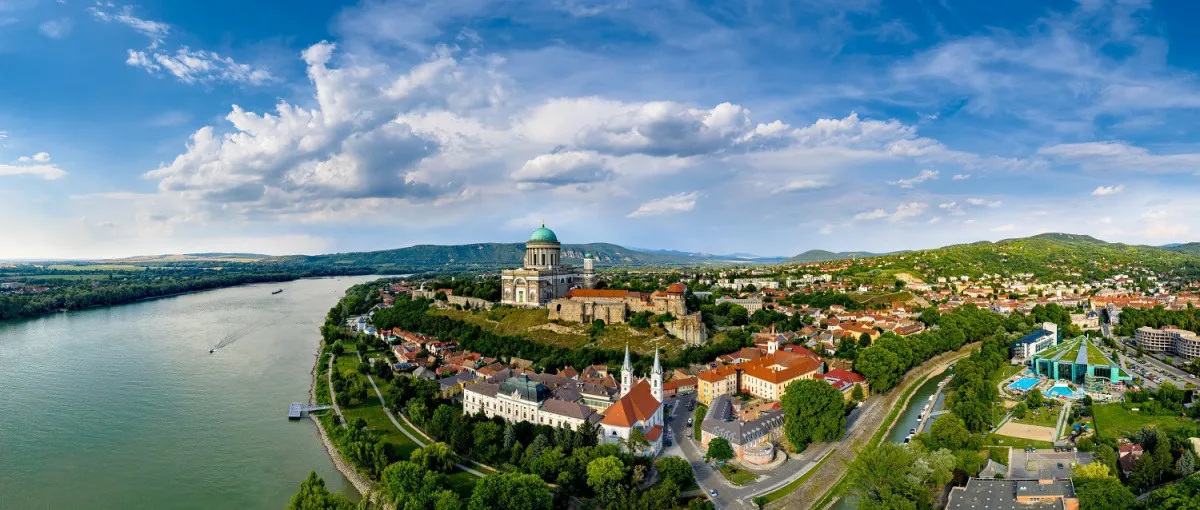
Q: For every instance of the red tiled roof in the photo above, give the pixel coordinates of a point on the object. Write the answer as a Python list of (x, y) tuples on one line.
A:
[(637, 405), (676, 288), (717, 374), (600, 293), (845, 375), (676, 383), (654, 433)]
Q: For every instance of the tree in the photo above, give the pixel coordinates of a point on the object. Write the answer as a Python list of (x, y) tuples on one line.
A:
[(1020, 410), (662, 495), (813, 412), (720, 449), (677, 470), (487, 439), (435, 457), (880, 366), (864, 340), (1034, 400), (604, 475), (857, 393), (880, 477), (446, 500), (511, 491), (314, 496), (637, 442), (1188, 462), (403, 480), (596, 329), (1104, 493), (442, 425), (1093, 470), (949, 431)]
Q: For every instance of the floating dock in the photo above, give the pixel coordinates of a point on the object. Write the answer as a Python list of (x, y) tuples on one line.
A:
[(298, 410)]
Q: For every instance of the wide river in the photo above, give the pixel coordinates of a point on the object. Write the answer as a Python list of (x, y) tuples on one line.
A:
[(124, 407)]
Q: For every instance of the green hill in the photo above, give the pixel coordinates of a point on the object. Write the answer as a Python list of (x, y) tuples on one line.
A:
[(488, 255), (1186, 248), (824, 255), (1053, 255)]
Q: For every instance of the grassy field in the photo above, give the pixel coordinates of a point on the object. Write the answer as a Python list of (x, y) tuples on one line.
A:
[(736, 475), (1046, 416), (1010, 370), (536, 325), (869, 299), (96, 267), (1113, 420), (372, 412)]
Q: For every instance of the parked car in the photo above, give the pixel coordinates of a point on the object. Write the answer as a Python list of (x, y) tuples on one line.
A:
[(712, 492)]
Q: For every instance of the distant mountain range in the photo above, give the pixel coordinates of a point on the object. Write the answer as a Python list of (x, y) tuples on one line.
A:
[(486, 256)]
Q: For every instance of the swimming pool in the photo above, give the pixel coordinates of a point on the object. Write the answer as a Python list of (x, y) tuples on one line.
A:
[(1024, 384), (1060, 391)]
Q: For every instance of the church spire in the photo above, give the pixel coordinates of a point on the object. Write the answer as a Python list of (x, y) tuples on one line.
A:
[(626, 374), (656, 379)]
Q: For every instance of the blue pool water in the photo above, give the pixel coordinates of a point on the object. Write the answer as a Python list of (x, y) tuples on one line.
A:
[(1060, 391), (1024, 384)]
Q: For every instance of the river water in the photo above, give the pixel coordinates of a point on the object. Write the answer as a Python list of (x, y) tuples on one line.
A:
[(124, 407)]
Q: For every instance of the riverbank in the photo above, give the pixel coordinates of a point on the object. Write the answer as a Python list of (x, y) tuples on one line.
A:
[(362, 485)]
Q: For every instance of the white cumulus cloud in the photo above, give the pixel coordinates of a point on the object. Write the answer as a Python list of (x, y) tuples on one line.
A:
[(1108, 190), (671, 204), (925, 175)]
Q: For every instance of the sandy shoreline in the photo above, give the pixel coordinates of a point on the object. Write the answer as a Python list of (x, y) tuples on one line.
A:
[(362, 485)]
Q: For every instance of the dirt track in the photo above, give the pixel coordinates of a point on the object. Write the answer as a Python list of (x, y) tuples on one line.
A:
[(875, 411)]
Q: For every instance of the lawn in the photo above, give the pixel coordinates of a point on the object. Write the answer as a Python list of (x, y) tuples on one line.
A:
[(737, 475), (1011, 370), (95, 267), (1096, 356), (1114, 420), (536, 325), (462, 483), (1047, 416)]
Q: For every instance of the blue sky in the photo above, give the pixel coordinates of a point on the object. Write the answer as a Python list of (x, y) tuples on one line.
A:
[(763, 127)]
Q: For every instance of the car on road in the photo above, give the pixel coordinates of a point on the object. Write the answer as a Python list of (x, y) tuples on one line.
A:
[(1060, 465), (689, 435), (689, 422), (712, 492)]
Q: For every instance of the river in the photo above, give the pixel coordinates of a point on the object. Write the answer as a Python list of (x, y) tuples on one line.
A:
[(124, 407)]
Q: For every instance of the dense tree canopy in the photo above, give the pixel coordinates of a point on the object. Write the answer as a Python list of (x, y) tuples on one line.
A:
[(814, 411)]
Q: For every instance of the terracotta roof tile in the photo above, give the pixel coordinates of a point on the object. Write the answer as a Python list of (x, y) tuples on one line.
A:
[(637, 405)]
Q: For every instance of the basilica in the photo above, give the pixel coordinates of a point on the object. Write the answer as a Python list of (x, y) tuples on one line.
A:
[(544, 277)]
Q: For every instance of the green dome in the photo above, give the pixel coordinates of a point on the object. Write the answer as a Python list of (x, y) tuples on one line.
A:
[(543, 235)]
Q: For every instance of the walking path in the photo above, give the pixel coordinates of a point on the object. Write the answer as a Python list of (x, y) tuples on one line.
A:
[(410, 435), (874, 413), (332, 397)]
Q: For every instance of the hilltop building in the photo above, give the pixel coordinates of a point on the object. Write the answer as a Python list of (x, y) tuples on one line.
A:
[(544, 277)]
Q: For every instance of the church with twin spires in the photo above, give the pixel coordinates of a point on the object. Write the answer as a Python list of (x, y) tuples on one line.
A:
[(544, 277)]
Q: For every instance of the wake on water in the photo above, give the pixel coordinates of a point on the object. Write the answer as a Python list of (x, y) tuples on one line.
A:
[(234, 336)]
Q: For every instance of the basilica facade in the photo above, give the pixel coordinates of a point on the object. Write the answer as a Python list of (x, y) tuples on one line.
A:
[(544, 277)]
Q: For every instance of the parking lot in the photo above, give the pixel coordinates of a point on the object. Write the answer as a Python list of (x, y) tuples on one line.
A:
[(1043, 464)]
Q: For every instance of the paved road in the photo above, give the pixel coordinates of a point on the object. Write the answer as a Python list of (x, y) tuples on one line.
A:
[(707, 477)]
